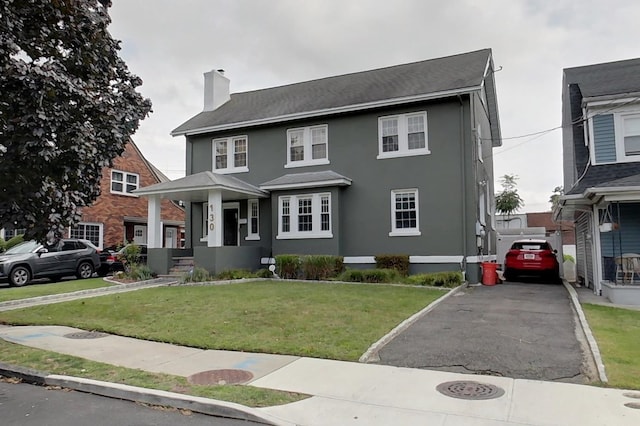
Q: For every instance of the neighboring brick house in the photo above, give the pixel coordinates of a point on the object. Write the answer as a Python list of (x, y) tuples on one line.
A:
[(118, 216), (545, 220)]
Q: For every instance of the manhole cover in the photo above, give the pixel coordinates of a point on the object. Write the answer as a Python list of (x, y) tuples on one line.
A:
[(85, 335), (220, 377), (470, 390), (634, 405)]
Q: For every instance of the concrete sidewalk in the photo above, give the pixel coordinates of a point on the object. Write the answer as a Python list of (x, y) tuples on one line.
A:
[(343, 393)]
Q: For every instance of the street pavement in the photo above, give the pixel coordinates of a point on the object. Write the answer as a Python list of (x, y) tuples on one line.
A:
[(518, 330), (343, 393)]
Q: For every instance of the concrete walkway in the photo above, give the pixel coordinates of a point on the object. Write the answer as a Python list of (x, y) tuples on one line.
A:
[(342, 393)]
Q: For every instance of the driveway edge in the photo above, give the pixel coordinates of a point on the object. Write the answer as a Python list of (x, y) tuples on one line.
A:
[(371, 355), (593, 345)]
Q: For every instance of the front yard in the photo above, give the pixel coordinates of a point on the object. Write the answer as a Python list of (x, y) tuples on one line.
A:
[(47, 288), (334, 321)]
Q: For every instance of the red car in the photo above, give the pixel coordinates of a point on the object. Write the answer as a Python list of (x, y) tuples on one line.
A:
[(531, 257)]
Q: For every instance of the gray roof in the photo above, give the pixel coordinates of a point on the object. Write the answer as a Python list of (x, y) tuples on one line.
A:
[(196, 187), (611, 78), (434, 77), (608, 176), (307, 180)]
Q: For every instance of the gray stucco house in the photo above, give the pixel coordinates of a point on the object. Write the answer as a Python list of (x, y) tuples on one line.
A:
[(395, 160), (601, 144)]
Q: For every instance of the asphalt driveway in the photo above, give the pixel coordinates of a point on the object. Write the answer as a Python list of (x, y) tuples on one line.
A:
[(518, 330)]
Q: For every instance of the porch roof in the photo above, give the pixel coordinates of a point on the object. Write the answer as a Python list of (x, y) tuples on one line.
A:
[(196, 188), (307, 180)]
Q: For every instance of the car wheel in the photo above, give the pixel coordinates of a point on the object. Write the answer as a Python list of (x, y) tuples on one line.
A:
[(509, 275), (19, 276), (85, 270)]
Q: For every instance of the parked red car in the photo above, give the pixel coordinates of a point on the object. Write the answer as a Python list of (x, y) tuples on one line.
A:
[(531, 257)]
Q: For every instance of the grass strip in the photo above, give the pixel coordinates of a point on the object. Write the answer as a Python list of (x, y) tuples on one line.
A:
[(47, 288), (617, 332), (55, 363)]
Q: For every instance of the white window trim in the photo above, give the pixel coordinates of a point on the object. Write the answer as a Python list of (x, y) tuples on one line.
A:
[(124, 183), (404, 232), (205, 222), (403, 138), (618, 122), (252, 236), (479, 140), (316, 206), (100, 232), (307, 143), (230, 155)]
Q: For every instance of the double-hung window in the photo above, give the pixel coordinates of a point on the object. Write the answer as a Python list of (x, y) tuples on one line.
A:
[(405, 218), (230, 155), (307, 146), (124, 182), (628, 140), (88, 231), (304, 216), (403, 135), (253, 222)]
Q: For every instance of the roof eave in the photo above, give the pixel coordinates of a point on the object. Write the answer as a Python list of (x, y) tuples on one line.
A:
[(328, 111), (302, 185)]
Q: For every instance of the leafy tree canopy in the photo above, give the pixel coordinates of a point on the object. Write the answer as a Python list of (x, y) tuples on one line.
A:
[(508, 200), (68, 107), (554, 199)]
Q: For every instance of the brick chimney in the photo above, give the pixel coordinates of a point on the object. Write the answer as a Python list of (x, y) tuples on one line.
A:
[(216, 89)]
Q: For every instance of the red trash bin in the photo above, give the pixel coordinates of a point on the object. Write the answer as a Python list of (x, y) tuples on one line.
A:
[(489, 274)]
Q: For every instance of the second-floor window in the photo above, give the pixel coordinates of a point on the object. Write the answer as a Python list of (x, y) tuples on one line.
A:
[(307, 146), (230, 155), (403, 135), (630, 135), (124, 182)]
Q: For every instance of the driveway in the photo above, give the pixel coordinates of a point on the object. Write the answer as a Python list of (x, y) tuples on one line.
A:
[(518, 330)]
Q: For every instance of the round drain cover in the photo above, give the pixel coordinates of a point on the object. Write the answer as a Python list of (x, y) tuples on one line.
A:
[(470, 390), (634, 405), (220, 377), (635, 395), (85, 335)]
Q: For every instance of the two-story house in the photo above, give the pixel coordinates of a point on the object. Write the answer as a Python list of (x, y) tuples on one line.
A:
[(396, 160), (119, 216), (601, 145)]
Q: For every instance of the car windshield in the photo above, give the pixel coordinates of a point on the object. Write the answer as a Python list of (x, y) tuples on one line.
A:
[(530, 246), (26, 247)]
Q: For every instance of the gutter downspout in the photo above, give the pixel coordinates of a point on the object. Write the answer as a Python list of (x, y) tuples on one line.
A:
[(463, 264)]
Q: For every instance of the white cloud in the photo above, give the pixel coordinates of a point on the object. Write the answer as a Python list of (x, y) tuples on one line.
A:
[(267, 43)]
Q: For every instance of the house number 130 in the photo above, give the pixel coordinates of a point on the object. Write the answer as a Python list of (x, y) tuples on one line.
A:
[(212, 218)]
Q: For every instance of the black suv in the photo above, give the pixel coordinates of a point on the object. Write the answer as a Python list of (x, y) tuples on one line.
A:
[(30, 259)]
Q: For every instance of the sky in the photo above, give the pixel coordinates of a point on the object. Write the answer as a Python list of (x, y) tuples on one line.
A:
[(268, 43)]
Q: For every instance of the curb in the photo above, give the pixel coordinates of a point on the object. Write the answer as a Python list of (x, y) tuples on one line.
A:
[(371, 355), (211, 407), (593, 345)]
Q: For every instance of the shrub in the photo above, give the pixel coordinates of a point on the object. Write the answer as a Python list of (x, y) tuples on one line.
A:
[(235, 274), (568, 257), (3, 243), (320, 267), (371, 276), (399, 262), (139, 272), (288, 266), (264, 273), (436, 279), (131, 254), (196, 275), (14, 241)]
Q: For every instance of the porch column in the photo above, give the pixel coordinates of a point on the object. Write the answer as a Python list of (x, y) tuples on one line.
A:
[(214, 219), (154, 225), (596, 251)]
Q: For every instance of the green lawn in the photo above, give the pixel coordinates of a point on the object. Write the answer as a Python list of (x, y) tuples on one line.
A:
[(47, 288), (55, 363), (617, 332), (335, 321)]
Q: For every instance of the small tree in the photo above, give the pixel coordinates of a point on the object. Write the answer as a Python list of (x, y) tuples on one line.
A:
[(558, 192), (508, 200)]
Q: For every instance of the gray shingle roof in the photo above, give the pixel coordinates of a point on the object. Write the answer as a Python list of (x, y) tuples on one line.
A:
[(452, 73), (611, 78), (608, 176), (309, 179)]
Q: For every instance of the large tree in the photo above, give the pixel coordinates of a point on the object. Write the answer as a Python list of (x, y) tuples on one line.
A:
[(508, 201), (68, 105)]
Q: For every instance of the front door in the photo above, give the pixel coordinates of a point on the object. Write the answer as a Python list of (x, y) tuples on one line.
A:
[(140, 234), (170, 237), (230, 234)]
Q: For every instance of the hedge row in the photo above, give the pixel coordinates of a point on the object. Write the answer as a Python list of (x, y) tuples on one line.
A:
[(311, 267)]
